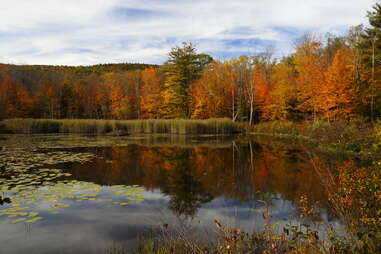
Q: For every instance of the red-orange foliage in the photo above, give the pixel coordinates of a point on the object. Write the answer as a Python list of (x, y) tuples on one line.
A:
[(151, 97), (14, 98), (284, 92), (262, 90), (327, 82), (311, 66), (212, 93), (339, 92)]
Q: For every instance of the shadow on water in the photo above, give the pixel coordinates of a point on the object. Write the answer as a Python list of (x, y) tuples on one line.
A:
[(194, 179)]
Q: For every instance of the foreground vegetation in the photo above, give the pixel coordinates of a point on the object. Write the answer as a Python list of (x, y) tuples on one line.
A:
[(354, 194), (119, 127)]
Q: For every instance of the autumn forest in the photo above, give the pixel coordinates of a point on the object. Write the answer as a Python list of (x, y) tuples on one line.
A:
[(326, 77)]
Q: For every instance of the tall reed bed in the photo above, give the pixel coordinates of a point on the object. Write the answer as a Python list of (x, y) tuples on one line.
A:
[(354, 136), (100, 127)]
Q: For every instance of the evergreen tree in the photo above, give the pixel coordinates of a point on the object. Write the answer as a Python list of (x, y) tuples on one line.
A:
[(371, 52), (183, 67)]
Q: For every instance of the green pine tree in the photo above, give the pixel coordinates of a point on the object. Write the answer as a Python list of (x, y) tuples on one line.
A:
[(371, 57), (183, 67)]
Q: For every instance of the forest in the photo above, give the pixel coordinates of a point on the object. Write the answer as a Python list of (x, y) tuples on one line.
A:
[(326, 78)]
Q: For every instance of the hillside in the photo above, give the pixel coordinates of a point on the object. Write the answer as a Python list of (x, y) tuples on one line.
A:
[(32, 76)]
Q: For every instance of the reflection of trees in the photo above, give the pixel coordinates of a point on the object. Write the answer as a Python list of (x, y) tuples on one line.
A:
[(187, 194), (193, 176)]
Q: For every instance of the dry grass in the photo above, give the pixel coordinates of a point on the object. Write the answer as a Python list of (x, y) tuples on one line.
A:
[(355, 136), (99, 127)]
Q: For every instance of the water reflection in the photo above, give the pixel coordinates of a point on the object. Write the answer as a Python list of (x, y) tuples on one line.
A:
[(191, 179)]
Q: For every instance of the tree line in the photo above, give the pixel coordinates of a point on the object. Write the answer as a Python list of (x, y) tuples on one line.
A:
[(334, 78)]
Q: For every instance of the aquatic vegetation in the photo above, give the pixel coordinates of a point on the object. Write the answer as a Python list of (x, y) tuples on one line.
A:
[(30, 201), (31, 186), (101, 127), (49, 142), (20, 160)]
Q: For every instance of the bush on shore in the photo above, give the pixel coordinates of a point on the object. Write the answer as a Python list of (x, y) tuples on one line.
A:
[(353, 136)]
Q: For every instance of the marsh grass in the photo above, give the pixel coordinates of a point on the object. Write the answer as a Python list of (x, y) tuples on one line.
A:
[(355, 136), (100, 127)]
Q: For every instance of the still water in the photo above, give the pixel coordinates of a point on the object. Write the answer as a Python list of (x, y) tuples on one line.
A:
[(74, 194)]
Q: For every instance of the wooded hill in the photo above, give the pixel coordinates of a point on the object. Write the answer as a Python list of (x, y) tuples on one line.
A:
[(32, 75)]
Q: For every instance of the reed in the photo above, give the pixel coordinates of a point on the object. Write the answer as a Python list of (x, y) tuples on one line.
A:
[(355, 136), (100, 127)]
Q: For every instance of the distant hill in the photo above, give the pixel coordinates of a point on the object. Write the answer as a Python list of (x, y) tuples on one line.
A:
[(32, 76), (99, 68)]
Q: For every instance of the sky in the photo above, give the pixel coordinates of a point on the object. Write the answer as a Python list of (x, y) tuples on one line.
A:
[(86, 32)]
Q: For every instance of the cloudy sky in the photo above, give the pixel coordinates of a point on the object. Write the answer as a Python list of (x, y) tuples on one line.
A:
[(84, 32)]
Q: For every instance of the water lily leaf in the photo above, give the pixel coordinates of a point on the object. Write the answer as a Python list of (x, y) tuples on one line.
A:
[(34, 220), (32, 214), (33, 188), (18, 220)]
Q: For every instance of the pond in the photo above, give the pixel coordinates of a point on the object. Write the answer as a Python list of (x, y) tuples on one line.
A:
[(77, 194)]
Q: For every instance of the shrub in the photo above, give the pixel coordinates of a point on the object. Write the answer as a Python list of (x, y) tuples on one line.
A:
[(358, 200)]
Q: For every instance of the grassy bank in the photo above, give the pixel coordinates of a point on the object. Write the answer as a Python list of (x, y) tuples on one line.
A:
[(122, 127), (354, 136)]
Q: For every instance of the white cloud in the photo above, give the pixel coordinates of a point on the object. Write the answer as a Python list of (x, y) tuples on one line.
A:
[(79, 32)]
